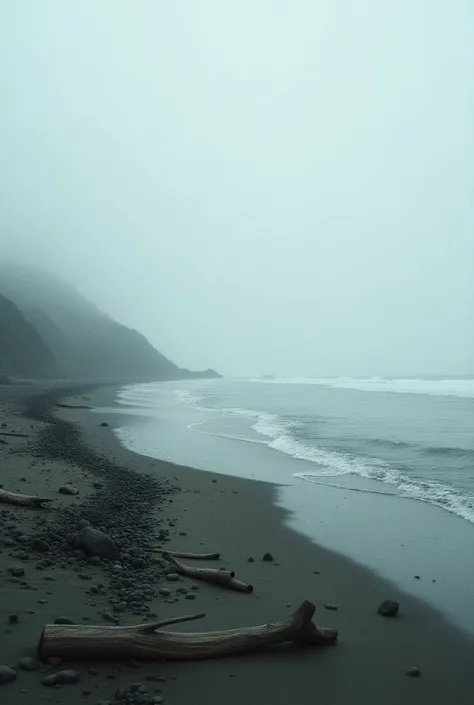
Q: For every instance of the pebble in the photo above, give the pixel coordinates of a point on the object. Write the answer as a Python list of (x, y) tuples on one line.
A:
[(28, 663), (64, 620), (16, 570), (417, 577), (68, 489), (104, 424), (164, 592), (389, 608), (172, 577), (13, 618), (190, 596), (267, 557), (250, 559), (329, 606), (7, 675), (414, 672)]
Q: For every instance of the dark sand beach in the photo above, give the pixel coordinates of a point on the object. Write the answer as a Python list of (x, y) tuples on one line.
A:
[(134, 497)]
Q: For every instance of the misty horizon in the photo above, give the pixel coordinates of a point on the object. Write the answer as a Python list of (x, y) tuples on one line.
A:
[(258, 189)]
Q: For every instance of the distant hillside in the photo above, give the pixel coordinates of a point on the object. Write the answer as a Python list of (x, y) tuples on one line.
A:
[(23, 352), (85, 342)]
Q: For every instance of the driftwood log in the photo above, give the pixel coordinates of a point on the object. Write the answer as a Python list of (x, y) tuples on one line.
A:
[(190, 556), (144, 643), (25, 500), (226, 578), (14, 434), (73, 406)]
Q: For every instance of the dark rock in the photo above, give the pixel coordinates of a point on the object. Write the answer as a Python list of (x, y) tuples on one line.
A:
[(68, 489), (267, 557), (39, 545), (28, 663), (66, 677), (64, 620), (96, 543), (172, 577), (417, 577), (16, 570), (190, 596), (250, 559), (104, 424), (7, 675), (329, 606), (389, 608), (164, 592), (13, 619), (414, 672)]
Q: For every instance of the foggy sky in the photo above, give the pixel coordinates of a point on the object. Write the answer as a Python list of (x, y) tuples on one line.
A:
[(260, 186)]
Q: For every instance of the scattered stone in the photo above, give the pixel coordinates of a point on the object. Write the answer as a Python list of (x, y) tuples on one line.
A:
[(28, 663), (68, 489), (104, 424), (7, 675), (329, 606), (16, 570), (164, 592), (13, 618), (250, 559), (267, 557), (96, 543), (172, 577), (389, 608), (66, 677), (413, 672), (64, 620), (190, 596), (40, 545), (417, 577)]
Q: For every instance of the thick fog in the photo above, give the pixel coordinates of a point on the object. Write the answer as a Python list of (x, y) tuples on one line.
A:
[(260, 186)]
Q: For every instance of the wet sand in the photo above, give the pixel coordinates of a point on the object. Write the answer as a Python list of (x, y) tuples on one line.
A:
[(237, 518)]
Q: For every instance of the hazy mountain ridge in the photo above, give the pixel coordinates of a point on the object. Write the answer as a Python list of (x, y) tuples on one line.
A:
[(23, 352), (82, 340)]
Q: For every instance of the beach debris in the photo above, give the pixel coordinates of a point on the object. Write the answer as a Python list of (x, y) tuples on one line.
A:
[(144, 642), (66, 677), (226, 578), (28, 663), (330, 606), (24, 500), (389, 608), (7, 675), (73, 406), (190, 556), (95, 543), (267, 557), (68, 489), (413, 672)]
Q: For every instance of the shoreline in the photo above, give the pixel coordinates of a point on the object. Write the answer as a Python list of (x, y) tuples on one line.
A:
[(237, 517)]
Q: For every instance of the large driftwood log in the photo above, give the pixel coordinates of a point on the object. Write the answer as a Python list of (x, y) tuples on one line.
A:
[(226, 578), (24, 500), (190, 556), (144, 643)]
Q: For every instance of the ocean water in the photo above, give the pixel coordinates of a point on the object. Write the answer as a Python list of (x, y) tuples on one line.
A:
[(381, 471), (415, 438)]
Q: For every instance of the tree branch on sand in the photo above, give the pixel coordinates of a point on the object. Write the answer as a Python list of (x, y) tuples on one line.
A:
[(144, 643), (226, 578), (24, 500)]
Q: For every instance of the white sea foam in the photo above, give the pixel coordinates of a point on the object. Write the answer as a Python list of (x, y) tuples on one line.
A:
[(441, 387)]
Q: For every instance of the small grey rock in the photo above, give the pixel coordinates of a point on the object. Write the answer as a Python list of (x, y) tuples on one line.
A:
[(389, 608), (28, 663), (16, 570), (13, 619), (68, 489), (267, 557), (413, 672), (172, 577), (96, 543), (40, 545), (164, 592), (190, 596), (7, 675), (67, 677), (104, 424), (64, 620), (250, 559), (330, 606)]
